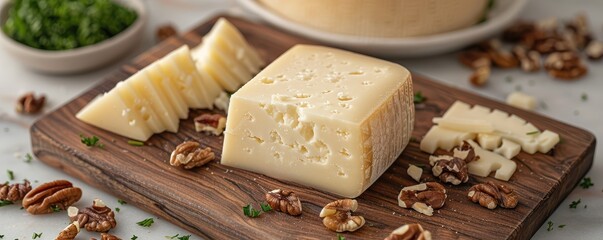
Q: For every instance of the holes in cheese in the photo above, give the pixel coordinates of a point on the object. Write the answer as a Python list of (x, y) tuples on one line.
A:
[(293, 122)]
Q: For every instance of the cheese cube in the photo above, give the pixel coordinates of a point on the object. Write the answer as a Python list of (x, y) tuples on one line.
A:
[(321, 117), (522, 100)]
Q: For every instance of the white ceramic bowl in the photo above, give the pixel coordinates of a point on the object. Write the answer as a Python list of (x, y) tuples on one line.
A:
[(78, 59), (503, 14)]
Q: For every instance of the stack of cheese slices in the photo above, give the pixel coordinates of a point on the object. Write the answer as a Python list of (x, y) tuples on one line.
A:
[(156, 97)]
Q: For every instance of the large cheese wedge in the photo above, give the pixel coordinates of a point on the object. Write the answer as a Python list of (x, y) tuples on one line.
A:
[(227, 57), (322, 117)]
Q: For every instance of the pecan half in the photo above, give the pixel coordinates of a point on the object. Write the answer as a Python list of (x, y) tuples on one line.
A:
[(210, 123), (565, 65), (14, 192), (106, 236), (529, 61), (579, 31), (29, 104), (499, 56), (490, 195), (594, 50), (51, 196), (516, 31), (474, 58), (165, 31), (70, 232), (98, 218), (284, 201), (412, 231), (423, 197), (480, 76), (337, 216), (546, 42), (189, 154)]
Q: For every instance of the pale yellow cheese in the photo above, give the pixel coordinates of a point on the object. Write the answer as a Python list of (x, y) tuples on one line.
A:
[(188, 81), (169, 89), (489, 162), (136, 106), (149, 97), (322, 117), (123, 120), (522, 100)]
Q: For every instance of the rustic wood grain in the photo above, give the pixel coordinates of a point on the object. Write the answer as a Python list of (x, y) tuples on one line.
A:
[(208, 201)]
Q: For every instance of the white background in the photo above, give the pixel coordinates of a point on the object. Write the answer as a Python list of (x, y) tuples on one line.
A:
[(562, 98)]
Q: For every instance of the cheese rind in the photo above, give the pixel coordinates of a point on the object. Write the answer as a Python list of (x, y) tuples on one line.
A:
[(321, 117)]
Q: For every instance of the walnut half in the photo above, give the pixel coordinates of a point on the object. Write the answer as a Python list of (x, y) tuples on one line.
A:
[(490, 195), (189, 154), (284, 201), (338, 216), (409, 232), (98, 218), (423, 197), (52, 196)]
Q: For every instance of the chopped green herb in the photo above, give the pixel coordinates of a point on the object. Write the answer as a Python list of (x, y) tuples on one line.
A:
[(11, 175), (135, 143), (146, 223), (1, 236), (419, 98), (92, 141), (172, 237), (36, 235), (533, 133), (584, 97), (250, 212), (5, 203), (586, 183), (265, 207), (177, 236), (549, 226), (28, 158), (561, 226), (122, 202), (340, 237), (585, 205), (55, 208), (509, 79), (117, 209), (134, 237), (574, 204)]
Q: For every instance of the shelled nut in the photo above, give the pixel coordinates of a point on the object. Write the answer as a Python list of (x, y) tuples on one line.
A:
[(49, 197), (423, 197), (491, 195), (337, 216), (284, 201), (412, 231), (189, 154)]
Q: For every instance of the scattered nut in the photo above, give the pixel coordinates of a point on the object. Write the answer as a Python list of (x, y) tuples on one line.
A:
[(453, 169), (529, 61), (98, 218), (414, 172), (189, 154), (480, 76), (565, 65), (475, 59), (409, 232), (165, 31), (70, 232), (423, 197), (29, 104), (338, 216), (578, 31), (516, 32), (14, 192), (210, 123), (47, 197), (284, 201), (106, 236), (546, 42), (490, 195), (594, 50), (500, 57)]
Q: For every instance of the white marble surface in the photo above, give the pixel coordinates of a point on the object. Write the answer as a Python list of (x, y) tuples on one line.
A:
[(562, 98)]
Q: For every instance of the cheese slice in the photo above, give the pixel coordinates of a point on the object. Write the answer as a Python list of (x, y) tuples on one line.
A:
[(138, 107), (169, 89), (123, 120), (322, 117), (177, 66), (149, 97), (488, 162)]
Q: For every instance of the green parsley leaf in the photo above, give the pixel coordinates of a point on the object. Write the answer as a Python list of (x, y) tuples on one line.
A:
[(92, 141), (419, 98), (146, 223), (586, 183), (340, 237), (549, 226), (134, 237), (584, 97), (265, 207), (11, 175), (172, 237), (5, 203), (1, 236), (250, 212), (574, 204), (533, 133), (28, 157), (135, 143), (55, 208), (36, 235), (185, 237), (117, 209), (122, 202), (561, 226)]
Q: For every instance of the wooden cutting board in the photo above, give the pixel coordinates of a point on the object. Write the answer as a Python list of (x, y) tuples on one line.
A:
[(208, 201)]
